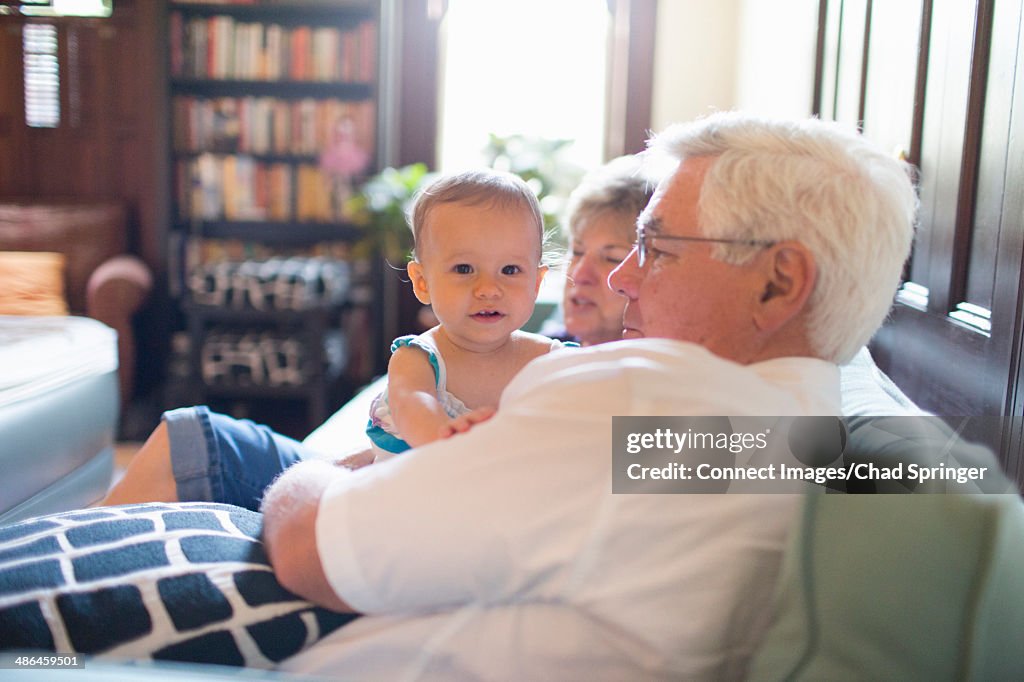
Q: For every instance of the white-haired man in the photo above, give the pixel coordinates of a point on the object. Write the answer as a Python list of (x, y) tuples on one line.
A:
[(768, 256)]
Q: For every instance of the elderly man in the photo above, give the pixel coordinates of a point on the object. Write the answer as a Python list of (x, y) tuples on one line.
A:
[(769, 255)]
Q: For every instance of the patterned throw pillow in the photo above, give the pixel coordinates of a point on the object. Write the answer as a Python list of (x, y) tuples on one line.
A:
[(182, 582)]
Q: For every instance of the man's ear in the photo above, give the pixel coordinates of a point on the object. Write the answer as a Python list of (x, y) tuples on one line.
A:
[(789, 275), (541, 271), (419, 282)]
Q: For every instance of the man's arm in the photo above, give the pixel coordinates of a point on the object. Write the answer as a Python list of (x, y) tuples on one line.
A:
[(289, 509)]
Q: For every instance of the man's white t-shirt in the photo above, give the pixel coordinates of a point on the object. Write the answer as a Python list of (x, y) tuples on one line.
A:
[(503, 554)]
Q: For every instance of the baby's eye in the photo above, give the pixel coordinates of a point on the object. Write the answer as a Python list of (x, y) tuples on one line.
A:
[(511, 270), (463, 269), (614, 260)]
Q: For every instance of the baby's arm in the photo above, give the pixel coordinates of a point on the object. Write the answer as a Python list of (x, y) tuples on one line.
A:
[(412, 397)]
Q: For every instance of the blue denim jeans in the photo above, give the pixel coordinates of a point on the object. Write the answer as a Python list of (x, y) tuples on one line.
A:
[(216, 458)]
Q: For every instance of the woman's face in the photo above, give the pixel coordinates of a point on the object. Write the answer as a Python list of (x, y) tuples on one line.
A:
[(593, 312)]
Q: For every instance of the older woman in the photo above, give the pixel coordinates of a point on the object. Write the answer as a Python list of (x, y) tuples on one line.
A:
[(601, 222)]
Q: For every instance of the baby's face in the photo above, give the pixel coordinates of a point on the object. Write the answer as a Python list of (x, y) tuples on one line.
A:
[(479, 268)]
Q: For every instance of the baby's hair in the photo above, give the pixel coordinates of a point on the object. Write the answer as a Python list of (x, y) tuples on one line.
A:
[(475, 188)]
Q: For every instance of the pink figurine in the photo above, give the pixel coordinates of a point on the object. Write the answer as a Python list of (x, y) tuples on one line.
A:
[(342, 160)]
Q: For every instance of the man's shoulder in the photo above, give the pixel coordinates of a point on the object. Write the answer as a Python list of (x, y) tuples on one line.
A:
[(627, 356), (617, 373), (651, 376)]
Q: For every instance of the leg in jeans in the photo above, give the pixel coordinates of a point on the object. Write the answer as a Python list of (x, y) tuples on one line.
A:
[(198, 455)]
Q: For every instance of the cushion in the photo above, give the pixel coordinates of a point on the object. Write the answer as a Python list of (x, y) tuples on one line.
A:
[(867, 391), (58, 414), (345, 431), (32, 283), (900, 587), (183, 581)]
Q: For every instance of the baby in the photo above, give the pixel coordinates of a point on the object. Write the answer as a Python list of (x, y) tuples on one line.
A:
[(477, 262)]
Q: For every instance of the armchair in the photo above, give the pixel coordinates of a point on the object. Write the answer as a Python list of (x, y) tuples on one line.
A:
[(101, 280)]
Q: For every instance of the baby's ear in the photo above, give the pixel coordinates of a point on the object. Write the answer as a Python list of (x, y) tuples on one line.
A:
[(541, 271), (419, 282)]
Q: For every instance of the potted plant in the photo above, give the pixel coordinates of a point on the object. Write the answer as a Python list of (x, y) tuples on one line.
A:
[(381, 207)]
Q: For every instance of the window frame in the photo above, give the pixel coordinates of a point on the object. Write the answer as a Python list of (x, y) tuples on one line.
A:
[(414, 122)]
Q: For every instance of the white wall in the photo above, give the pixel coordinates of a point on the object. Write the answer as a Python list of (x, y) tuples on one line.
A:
[(775, 63), (733, 54), (695, 54)]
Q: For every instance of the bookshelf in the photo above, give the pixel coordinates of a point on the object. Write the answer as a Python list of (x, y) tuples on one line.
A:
[(260, 93)]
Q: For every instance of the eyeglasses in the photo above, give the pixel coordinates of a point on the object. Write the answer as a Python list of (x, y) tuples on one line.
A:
[(642, 246)]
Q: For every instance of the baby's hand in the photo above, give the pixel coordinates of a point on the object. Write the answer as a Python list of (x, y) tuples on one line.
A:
[(465, 422), (357, 460)]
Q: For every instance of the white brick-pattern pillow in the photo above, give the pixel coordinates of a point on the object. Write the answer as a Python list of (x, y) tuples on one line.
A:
[(184, 582)]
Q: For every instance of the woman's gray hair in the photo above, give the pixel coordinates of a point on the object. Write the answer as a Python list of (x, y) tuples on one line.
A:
[(624, 185), (820, 184)]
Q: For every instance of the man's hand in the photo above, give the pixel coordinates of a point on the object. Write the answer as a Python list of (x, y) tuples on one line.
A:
[(289, 509)]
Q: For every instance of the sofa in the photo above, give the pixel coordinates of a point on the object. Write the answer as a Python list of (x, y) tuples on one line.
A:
[(58, 413), (903, 587), (101, 279), (872, 588)]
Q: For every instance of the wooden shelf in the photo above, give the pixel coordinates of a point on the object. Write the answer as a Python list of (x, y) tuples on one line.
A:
[(275, 233), (294, 392), (254, 316), (284, 89), (264, 158), (282, 12)]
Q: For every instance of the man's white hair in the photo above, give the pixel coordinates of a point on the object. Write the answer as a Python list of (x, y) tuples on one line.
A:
[(818, 183)]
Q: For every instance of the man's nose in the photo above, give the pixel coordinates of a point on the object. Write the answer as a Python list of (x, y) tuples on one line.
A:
[(626, 276)]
